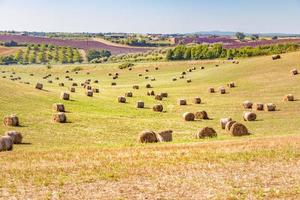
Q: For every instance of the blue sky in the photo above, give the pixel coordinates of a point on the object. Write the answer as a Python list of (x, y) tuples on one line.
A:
[(151, 16)]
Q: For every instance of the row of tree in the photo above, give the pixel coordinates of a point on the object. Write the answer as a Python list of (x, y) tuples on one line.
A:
[(198, 52)]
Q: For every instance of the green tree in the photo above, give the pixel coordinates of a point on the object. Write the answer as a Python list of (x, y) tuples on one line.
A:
[(240, 35)]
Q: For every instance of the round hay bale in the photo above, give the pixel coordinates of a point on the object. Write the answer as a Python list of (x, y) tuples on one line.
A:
[(202, 67), (96, 90), (249, 116), (152, 79), (31, 74), (164, 94), (205, 133), (181, 77), (197, 100), (247, 104), (113, 84), (15, 136), (59, 117), (150, 93), (136, 87), (65, 96), (67, 77), (164, 136), (294, 71), (129, 68), (158, 108), (140, 104), (224, 121), (174, 79), (72, 89), (271, 107), (148, 85), (61, 84), (115, 77), (188, 116), (211, 90), (229, 124), (190, 70), (74, 84), (121, 99), (188, 80), (259, 106), (194, 68), (182, 102), (183, 73), (67, 71), (289, 97), (109, 74), (147, 70), (158, 97), (96, 81), (88, 87), (222, 90), (89, 93), (39, 86), (140, 74), (128, 94), (156, 68), (50, 81), (275, 57), (147, 137), (201, 115), (58, 107), (6, 143), (56, 78), (231, 85), (146, 77), (238, 129), (11, 120)]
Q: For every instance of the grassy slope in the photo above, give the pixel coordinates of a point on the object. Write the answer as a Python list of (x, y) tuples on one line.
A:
[(98, 148)]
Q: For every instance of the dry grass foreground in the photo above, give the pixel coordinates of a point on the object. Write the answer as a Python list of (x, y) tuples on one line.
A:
[(96, 156)]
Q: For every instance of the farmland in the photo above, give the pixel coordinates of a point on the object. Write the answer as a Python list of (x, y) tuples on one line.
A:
[(96, 154), (5, 51)]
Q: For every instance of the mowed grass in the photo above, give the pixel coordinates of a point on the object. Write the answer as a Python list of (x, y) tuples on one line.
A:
[(97, 148)]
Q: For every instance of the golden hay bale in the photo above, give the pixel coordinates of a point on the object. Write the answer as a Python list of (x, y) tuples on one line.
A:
[(56, 78), (96, 90), (67, 71), (224, 121), (150, 93), (61, 84), (158, 108), (181, 77), (194, 68), (222, 90), (201, 115), (140, 104), (275, 57), (50, 81), (59, 117), (128, 94), (140, 74), (249, 116), (164, 94), (15, 136), (271, 107), (74, 84), (206, 132), (156, 68), (152, 79), (229, 124), (6, 143), (190, 70), (109, 74), (115, 77), (182, 102), (72, 89), (146, 77), (211, 90), (247, 104), (231, 85), (65, 96), (88, 87), (89, 93), (11, 120), (164, 136), (259, 106), (197, 100), (39, 86), (148, 85), (136, 87), (158, 97), (59, 107), (147, 137), (113, 84), (121, 99), (188, 80), (183, 73), (147, 70), (129, 68), (289, 97), (238, 129), (294, 71), (174, 79), (188, 116), (202, 67), (96, 81)]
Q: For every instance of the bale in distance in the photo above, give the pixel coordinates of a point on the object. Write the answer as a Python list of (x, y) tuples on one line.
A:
[(61, 84), (229, 124), (158, 97), (188, 80), (6, 143), (231, 85), (201, 115), (59, 117), (182, 102), (39, 86), (205, 133), (294, 71), (289, 97), (222, 90), (89, 93), (11, 120), (211, 90), (158, 108), (259, 106), (121, 99), (247, 104), (224, 121), (197, 100), (72, 89), (148, 85), (238, 129), (276, 57), (140, 104), (164, 94), (147, 137), (58, 107), (249, 116), (65, 96), (96, 90), (150, 93), (128, 94), (136, 87), (271, 107), (113, 84), (15, 136), (188, 116), (164, 136)]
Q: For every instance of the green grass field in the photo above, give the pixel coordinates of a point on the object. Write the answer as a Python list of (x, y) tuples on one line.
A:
[(96, 154)]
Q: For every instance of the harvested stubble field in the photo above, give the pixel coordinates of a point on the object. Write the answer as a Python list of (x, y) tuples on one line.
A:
[(96, 154)]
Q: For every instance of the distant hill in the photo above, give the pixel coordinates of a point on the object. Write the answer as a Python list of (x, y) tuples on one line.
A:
[(231, 33)]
